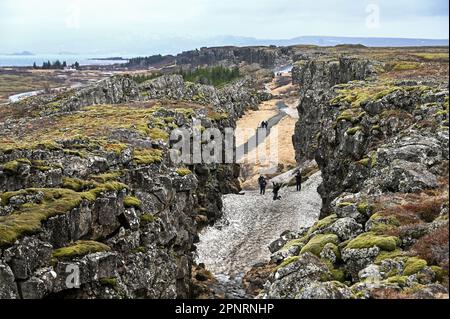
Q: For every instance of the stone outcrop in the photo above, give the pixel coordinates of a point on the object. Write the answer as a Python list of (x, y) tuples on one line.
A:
[(110, 215), (382, 147), (266, 57)]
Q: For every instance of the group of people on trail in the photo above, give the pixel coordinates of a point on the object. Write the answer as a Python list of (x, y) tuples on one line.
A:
[(264, 124), (277, 186)]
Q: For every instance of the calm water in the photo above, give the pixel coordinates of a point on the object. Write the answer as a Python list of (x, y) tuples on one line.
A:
[(16, 60)]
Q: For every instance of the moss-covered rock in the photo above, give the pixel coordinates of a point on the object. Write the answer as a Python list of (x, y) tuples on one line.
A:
[(131, 201), (399, 280), (147, 219), (147, 156), (352, 131), (389, 255), (76, 184), (13, 166), (288, 261), (318, 242), (371, 239), (338, 274), (183, 171), (440, 273), (413, 265), (323, 223)]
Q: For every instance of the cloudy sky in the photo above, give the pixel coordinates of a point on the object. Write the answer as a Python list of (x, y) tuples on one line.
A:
[(114, 25)]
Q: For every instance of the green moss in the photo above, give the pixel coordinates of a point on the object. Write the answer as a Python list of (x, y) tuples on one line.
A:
[(106, 177), (344, 204), (351, 115), (288, 261), (397, 253), (218, 116), (433, 56), (413, 265), (373, 159), (6, 196), (76, 184), (318, 242), (440, 273), (13, 166), (158, 134), (147, 219), (110, 282), (363, 207), (406, 66), (300, 242), (352, 131), (338, 275), (131, 201), (370, 239), (383, 223), (323, 223), (441, 112), (28, 219), (49, 145), (79, 249), (184, 171), (93, 194), (356, 95), (399, 280), (147, 156), (117, 148), (364, 162)]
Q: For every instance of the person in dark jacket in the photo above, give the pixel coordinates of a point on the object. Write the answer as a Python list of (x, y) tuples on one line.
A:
[(276, 189), (298, 181), (262, 185)]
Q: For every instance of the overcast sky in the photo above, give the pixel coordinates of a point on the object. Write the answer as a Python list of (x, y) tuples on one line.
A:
[(83, 25)]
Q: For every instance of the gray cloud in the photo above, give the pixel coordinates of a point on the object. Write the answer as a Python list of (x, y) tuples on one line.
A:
[(119, 26)]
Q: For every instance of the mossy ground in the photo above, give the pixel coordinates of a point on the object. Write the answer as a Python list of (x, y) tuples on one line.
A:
[(56, 201), (97, 123)]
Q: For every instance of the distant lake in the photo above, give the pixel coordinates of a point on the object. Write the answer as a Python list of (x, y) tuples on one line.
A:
[(28, 60)]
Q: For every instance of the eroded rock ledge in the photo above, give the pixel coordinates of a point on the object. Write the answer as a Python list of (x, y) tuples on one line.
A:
[(86, 183), (382, 147)]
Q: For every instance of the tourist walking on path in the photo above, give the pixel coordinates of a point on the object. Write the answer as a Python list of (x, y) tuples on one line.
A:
[(276, 189), (262, 185), (298, 180)]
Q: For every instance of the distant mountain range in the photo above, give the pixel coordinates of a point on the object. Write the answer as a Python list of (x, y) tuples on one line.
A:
[(370, 42), (174, 45)]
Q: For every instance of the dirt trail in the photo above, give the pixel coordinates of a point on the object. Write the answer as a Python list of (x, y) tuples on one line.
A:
[(281, 112)]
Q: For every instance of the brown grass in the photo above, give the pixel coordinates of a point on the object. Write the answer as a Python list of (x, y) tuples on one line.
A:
[(414, 208), (434, 247)]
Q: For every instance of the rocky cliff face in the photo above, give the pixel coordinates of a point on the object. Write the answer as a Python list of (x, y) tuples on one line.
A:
[(91, 204), (382, 147), (315, 78), (266, 57)]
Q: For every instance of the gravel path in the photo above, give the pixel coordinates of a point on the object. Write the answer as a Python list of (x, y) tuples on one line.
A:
[(251, 222)]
